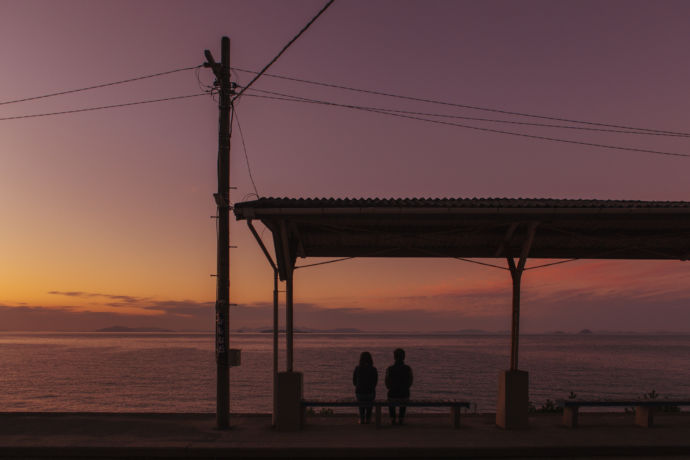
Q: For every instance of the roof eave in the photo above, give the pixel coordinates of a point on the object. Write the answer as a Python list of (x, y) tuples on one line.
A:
[(244, 213)]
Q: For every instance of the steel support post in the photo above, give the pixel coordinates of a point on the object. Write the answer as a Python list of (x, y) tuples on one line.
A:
[(275, 342), (515, 329), (516, 275), (289, 319)]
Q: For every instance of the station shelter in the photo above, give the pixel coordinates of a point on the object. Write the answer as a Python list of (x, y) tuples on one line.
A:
[(465, 228)]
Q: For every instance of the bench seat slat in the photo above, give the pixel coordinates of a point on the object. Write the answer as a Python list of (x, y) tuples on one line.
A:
[(409, 403), (618, 403)]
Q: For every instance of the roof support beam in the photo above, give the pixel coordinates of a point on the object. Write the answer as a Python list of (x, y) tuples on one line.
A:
[(261, 244), (299, 247), (506, 240)]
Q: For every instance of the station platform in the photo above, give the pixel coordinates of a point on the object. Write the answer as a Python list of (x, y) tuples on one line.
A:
[(159, 436)]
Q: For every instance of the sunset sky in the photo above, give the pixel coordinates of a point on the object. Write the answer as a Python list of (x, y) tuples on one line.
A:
[(105, 215)]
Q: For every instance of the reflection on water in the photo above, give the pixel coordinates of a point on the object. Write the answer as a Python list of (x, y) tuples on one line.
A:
[(175, 372)]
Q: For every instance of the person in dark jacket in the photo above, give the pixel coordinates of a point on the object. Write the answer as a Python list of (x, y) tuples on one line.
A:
[(364, 378), (398, 382)]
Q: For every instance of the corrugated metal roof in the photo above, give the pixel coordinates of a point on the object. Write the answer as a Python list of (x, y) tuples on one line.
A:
[(455, 203), (471, 227)]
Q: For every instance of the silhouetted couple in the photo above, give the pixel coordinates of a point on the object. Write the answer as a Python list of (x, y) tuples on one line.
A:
[(398, 382)]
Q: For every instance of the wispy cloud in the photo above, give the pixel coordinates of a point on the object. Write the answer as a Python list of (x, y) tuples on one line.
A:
[(121, 299), (597, 295), (193, 316)]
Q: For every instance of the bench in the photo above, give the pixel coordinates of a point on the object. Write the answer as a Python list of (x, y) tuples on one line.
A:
[(644, 408), (454, 406)]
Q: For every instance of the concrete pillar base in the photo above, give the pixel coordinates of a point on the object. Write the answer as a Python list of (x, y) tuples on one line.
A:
[(288, 407), (455, 417), (644, 416), (513, 400), (570, 416)]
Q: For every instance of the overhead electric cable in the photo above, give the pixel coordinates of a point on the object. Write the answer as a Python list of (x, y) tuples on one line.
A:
[(88, 109), (477, 128), (266, 67), (463, 106), (102, 85), (288, 97), (244, 148)]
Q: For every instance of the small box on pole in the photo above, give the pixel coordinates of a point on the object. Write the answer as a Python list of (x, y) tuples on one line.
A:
[(235, 357)]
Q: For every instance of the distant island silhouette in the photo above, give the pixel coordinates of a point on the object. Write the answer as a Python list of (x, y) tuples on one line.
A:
[(132, 329), (309, 331)]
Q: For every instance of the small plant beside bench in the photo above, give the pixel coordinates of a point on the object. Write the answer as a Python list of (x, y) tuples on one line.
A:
[(454, 406)]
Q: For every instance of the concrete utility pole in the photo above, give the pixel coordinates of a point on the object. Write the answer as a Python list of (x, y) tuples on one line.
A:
[(222, 73)]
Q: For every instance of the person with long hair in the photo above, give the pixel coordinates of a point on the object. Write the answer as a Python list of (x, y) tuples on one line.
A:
[(364, 378)]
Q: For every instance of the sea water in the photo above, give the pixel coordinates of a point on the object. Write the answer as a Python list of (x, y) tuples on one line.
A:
[(175, 372)]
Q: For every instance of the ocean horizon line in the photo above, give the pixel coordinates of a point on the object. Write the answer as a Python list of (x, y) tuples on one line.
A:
[(307, 331)]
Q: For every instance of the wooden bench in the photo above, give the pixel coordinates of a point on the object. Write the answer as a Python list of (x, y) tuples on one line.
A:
[(644, 408), (454, 406)]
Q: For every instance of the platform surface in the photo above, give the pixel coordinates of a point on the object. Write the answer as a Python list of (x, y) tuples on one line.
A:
[(92, 435)]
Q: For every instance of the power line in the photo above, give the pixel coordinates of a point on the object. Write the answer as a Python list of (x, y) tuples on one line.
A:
[(304, 29), (244, 148), (463, 106), (491, 120), (102, 85), (88, 109), (290, 98)]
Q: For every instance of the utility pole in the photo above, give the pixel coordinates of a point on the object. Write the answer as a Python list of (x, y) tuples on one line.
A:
[(222, 73)]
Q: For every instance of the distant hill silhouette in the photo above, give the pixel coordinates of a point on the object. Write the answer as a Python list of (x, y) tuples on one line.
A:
[(132, 329), (468, 332), (317, 331)]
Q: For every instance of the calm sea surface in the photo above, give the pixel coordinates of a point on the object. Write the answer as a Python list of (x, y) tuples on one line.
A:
[(175, 372)]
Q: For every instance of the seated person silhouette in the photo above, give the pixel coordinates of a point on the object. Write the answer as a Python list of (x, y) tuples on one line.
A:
[(364, 378), (398, 382)]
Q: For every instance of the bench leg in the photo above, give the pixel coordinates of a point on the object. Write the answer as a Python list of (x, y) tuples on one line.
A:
[(378, 416), (455, 417), (644, 416), (570, 416)]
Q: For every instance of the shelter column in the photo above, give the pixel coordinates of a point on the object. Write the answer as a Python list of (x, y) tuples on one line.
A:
[(276, 273), (516, 275), (289, 320), (513, 386), (275, 341), (289, 389)]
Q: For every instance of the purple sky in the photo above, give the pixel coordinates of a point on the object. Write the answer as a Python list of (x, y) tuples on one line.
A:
[(113, 206)]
